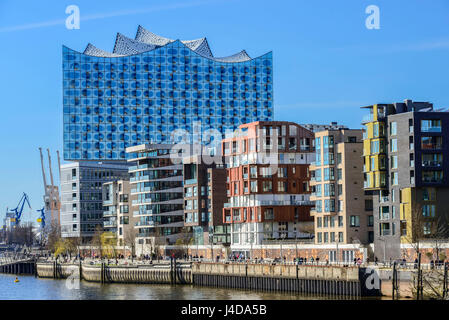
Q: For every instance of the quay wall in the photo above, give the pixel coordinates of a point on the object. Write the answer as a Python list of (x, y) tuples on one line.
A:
[(325, 280)]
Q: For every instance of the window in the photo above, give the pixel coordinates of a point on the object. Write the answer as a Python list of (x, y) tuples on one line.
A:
[(384, 213), (368, 205), (354, 221), (267, 186), (328, 174), (394, 178), (268, 214), (340, 237), (319, 222), (394, 145), (394, 162), (318, 205), (432, 159), (428, 210), (384, 229), (319, 237), (370, 221), (318, 190), (432, 176), (429, 194), (431, 125), (340, 221), (318, 175), (429, 143), (339, 158), (393, 128), (253, 186), (326, 237), (282, 186), (339, 174)]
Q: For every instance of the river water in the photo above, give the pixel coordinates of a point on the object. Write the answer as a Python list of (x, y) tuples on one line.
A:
[(31, 288)]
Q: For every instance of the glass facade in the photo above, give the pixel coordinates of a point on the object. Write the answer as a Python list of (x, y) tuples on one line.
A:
[(114, 101)]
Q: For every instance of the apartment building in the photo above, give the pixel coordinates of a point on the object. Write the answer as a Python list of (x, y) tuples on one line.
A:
[(268, 182), (204, 197), (156, 195), (343, 210), (117, 213), (81, 196), (406, 148)]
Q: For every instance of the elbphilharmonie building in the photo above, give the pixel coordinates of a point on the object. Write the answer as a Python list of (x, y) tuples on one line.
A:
[(149, 86)]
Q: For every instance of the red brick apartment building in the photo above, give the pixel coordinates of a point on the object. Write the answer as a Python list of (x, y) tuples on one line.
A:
[(266, 200)]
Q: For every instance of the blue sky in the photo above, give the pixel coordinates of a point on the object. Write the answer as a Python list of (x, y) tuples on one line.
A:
[(326, 62)]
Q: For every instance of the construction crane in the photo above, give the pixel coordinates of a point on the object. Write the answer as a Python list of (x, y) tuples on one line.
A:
[(16, 213)]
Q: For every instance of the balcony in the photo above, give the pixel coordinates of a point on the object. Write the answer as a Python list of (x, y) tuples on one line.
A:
[(109, 214), (145, 224), (110, 224), (367, 118)]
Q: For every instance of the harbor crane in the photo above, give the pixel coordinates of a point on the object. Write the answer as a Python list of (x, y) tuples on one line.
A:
[(16, 213)]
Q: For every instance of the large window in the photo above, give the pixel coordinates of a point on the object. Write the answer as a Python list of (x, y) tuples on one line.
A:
[(431, 125), (432, 159), (267, 186), (429, 194), (434, 176), (428, 143), (428, 210)]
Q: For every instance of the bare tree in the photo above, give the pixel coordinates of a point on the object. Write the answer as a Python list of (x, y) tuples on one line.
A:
[(96, 240), (423, 227), (52, 235), (130, 241), (185, 239)]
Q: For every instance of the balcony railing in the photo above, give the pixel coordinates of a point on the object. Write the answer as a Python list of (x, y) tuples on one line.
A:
[(190, 181), (109, 213), (110, 224), (432, 163), (145, 224)]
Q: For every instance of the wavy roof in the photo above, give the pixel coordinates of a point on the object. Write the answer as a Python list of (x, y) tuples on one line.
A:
[(146, 41)]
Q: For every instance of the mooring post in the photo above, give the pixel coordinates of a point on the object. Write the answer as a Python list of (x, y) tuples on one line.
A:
[(418, 291), (80, 270), (174, 270), (394, 281), (445, 281)]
